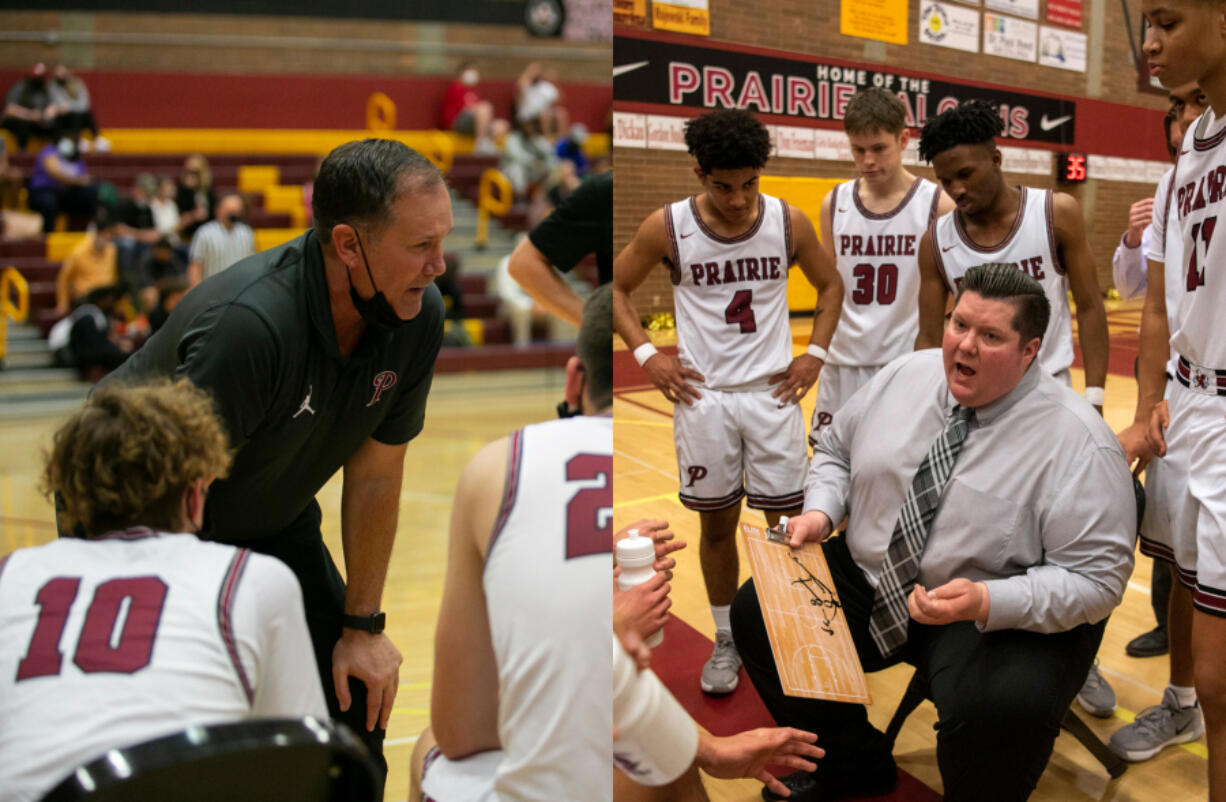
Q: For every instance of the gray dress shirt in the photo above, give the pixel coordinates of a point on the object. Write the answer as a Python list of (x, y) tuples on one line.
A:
[(1040, 503)]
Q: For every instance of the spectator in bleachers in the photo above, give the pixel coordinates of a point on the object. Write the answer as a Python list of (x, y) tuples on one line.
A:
[(91, 264), (195, 195), (570, 149), (91, 342), (466, 113), (221, 242), (170, 290), (527, 158), (60, 182), (27, 108), (537, 100), (73, 112), (158, 263), (135, 230), (165, 210)]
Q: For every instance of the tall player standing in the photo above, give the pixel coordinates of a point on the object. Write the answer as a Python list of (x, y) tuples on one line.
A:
[(734, 384), (1187, 42), (871, 229)]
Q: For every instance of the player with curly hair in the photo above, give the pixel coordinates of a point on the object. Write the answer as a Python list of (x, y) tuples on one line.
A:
[(734, 382), (1040, 232), (139, 629)]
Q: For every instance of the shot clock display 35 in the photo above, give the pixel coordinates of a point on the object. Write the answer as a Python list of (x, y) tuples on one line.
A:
[(1071, 168)]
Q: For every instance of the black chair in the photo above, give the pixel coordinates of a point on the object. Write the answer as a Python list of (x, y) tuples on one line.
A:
[(305, 760)]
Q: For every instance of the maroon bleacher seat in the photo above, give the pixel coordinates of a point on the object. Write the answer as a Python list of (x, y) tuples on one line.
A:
[(31, 246), (480, 306), (472, 284)]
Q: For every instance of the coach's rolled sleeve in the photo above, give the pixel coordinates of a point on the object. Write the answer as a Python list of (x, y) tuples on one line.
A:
[(1087, 534)]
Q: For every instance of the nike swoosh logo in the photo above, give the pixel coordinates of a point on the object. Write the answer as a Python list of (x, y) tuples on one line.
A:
[(621, 69), (948, 248), (692, 233), (1047, 124)]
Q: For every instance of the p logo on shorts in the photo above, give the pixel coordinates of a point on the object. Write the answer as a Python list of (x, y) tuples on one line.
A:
[(384, 380), (697, 473)]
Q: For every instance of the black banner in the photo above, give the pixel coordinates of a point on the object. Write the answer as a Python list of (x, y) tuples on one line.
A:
[(671, 74)]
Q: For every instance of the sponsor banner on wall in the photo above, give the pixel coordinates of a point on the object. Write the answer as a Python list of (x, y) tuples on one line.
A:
[(883, 20), (1009, 37), (683, 16), (665, 133), (1022, 8), (949, 26), (1062, 48), (630, 12), (1114, 168), (1064, 12), (703, 78)]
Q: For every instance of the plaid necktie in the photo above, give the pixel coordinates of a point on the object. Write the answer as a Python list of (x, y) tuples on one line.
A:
[(889, 618)]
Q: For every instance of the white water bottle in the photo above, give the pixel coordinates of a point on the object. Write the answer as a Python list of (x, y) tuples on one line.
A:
[(635, 556)]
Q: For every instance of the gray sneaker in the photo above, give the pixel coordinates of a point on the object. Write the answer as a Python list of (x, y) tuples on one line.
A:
[(1096, 696), (719, 675), (1156, 727)]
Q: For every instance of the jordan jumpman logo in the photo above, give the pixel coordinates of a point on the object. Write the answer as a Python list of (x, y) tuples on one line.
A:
[(306, 403)]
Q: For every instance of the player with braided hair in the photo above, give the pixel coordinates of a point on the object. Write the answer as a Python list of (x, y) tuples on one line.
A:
[(1040, 232), (734, 382)]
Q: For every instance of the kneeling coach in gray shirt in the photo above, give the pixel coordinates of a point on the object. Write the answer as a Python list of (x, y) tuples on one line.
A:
[(991, 522)]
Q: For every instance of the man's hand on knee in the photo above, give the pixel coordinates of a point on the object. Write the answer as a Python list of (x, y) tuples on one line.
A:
[(956, 600), (373, 659)]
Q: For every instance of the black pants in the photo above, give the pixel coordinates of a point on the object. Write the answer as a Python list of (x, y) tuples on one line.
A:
[(70, 200), (999, 696), (301, 547)]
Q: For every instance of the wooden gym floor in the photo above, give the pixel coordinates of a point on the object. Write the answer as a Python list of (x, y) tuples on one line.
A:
[(645, 486)]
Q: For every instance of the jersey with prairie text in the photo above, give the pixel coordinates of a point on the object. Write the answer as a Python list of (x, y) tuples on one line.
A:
[(1030, 246), (111, 642), (730, 294), (876, 255), (547, 595), (1197, 195)]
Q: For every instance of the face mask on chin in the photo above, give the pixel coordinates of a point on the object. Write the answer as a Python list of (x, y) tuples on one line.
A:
[(375, 310)]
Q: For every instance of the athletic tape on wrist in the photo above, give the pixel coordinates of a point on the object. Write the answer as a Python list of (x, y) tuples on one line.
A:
[(1095, 396), (644, 352), (817, 351)]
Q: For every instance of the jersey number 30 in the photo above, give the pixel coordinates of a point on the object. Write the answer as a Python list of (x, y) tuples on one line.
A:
[(99, 647)]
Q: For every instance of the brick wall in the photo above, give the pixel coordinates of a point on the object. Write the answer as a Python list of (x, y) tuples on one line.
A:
[(648, 179)]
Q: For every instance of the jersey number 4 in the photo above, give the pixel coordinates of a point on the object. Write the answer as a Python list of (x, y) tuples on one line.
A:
[(589, 513), (740, 312), (1196, 271), (138, 600), (884, 277)]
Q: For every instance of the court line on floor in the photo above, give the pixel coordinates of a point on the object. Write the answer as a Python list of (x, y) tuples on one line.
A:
[(662, 497), (646, 465), (626, 422)]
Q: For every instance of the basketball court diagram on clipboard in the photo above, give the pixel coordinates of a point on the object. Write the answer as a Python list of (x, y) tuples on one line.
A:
[(808, 632)]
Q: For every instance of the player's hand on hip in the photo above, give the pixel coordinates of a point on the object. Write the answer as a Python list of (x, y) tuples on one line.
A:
[(673, 379), (748, 753), (813, 525), (796, 380), (1155, 436), (374, 660), (956, 600), (1136, 449)]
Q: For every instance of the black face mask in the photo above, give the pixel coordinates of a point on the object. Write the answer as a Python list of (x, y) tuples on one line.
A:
[(375, 310)]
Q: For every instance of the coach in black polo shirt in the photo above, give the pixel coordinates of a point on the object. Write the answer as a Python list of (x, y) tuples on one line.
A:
[(319, 354)]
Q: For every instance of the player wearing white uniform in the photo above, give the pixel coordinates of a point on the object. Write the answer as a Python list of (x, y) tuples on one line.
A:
[(520, 703), (871, 229), (728, 251), (1186, 42), (136, 632), (1177, 718), (1041, 233)]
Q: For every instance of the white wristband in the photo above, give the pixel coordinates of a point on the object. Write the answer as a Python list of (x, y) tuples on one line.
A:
[(1095, 396), (644, 352), (817, 351)]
